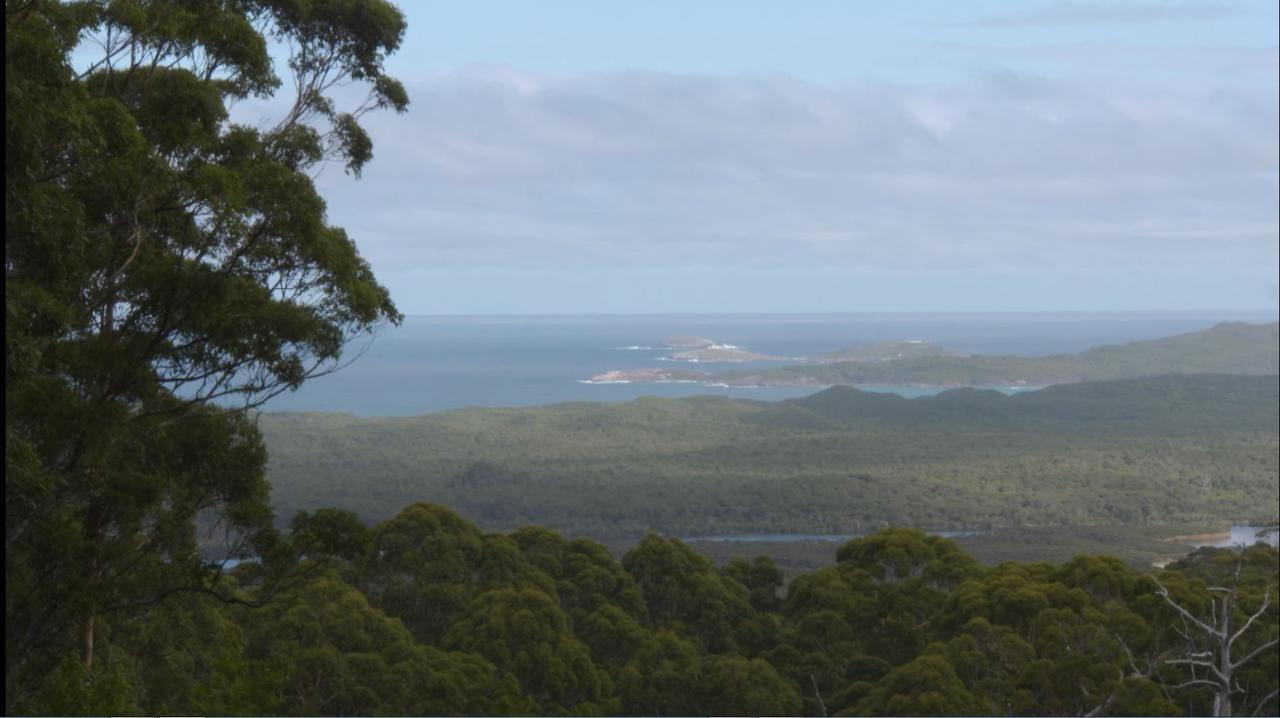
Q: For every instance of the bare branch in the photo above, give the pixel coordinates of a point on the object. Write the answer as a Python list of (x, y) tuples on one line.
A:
[(1164, 593), (1194, 662), (1265, 700), (1129, 654), (1266, 600), (1255, 653), (1197, 682), (137, 244), (821, 704)]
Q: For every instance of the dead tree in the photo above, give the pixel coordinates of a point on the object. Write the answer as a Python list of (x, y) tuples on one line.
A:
[(1214, 666)]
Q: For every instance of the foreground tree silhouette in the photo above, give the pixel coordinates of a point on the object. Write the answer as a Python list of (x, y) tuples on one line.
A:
[(162, 267)]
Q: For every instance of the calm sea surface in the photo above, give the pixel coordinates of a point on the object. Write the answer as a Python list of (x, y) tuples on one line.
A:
[(436, 363)]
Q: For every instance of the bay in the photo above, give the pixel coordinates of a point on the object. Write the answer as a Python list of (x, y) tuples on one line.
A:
[(434, 363)]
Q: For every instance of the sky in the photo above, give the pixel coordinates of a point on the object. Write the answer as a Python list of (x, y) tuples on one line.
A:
[(825, 156)]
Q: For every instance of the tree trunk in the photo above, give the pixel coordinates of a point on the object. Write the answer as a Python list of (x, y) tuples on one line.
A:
[(1222, 701), (91, 573), (86, 641)]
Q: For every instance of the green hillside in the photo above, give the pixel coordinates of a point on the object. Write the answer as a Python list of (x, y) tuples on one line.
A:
[(1231, 348), (1154, 450)]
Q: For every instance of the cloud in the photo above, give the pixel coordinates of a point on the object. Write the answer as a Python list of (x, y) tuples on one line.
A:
[(1106, 13), (497, 168)]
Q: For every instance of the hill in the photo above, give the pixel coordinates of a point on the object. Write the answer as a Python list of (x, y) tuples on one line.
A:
[(1140, 451), (1229, 348), (885, 351)]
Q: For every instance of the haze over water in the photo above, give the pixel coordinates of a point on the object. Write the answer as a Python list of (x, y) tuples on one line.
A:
[(434, 363)]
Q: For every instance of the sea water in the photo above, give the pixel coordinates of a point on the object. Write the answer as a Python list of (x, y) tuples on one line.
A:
[(436, 363)]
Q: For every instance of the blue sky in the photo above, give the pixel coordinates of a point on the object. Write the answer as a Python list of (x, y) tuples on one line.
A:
[(922, 40), (583, 157)]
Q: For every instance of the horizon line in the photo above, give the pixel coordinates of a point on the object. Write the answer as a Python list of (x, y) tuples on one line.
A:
[(1274, 311)]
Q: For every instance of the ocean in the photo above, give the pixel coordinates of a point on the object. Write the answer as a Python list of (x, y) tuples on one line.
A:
[(434, 363)]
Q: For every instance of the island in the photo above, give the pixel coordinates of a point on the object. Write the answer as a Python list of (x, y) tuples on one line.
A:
[(649, 376), (721, 353), (699, 349), (686, 342)]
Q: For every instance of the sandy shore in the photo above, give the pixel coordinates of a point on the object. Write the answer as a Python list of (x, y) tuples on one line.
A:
[(1196, 538)]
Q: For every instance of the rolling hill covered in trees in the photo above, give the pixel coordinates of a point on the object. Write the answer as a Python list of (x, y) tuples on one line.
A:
[(1127, 452)]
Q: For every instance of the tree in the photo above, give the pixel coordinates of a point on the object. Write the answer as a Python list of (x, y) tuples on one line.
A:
[(684, 592), (926, 686), (427, 564), (761, 577), (525, 633), (164, 266), (1210, 651), (331, 653), (663, 677)]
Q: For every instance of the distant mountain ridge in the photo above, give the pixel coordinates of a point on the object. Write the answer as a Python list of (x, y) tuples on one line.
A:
[(1157, 401), (1228, 348)]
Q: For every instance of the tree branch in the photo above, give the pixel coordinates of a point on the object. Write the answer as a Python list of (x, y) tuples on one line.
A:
[(1254, 653), (1164, 593), (1265, 700), (1266, 600)]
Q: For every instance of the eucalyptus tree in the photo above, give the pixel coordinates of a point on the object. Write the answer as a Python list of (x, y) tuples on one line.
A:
[(165, 270)]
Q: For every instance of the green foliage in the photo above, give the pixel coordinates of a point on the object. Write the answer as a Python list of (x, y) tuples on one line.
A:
[(161, 265), (1136, 453), (902, 624), (587, 577), (684, 592), (330, 532), (335, 654), (663, 677), (189, 657), (926, 686), (71, 689), (761, 577), (428, 564), (733, 685), (525, 633)]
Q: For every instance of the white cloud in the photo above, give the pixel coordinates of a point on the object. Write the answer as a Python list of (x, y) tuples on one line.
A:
[(494, 168)]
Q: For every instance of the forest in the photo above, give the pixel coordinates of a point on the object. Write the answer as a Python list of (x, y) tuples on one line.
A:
[(1170, 450), (424, 614)]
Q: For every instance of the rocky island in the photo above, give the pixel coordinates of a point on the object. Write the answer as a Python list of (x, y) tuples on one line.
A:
[(722, 353), (699, 349), (686, 342), (647, 376)]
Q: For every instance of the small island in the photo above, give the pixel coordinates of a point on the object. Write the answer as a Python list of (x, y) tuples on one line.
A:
[(699, 349), (646, 376), (686, 342)]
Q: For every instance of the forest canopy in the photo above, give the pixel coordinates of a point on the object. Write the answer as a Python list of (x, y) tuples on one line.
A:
[(424, 614)]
